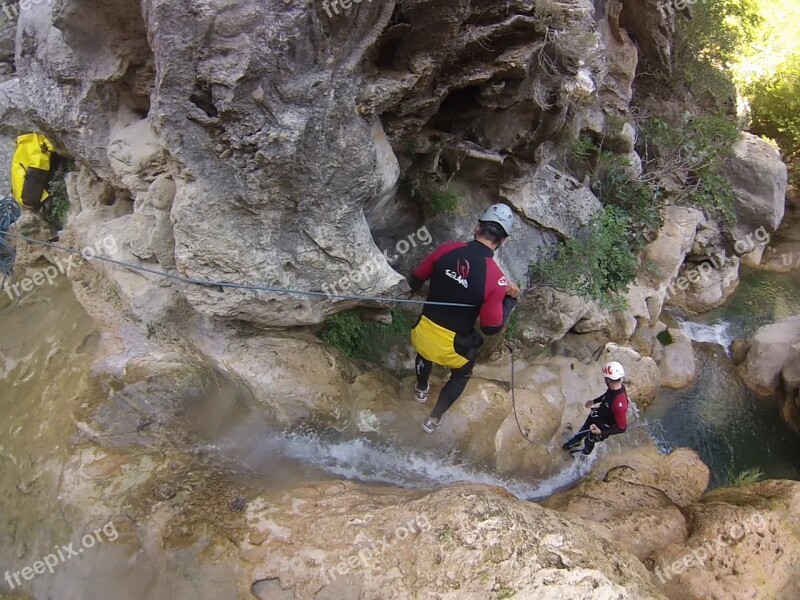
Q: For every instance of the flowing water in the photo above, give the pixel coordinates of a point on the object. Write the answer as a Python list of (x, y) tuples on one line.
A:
[(718, 416), (47, 350)]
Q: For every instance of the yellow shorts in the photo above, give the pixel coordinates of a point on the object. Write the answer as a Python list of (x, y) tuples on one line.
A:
[(435, 343)]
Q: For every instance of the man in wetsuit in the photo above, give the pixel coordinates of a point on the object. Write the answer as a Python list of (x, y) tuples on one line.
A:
[(462, 273), (609, 414)]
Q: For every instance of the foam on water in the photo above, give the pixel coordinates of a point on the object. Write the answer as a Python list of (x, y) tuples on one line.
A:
[(714, 333), (363, 460)]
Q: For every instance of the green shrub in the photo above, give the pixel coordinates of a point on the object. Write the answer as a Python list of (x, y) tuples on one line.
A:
[(598, 264), (744, 478), (361, 339), (442, 202), (56, 207), (692, 151), (775, 107)]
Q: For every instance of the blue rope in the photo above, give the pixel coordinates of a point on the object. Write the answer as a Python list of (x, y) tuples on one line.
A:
[(9, 213), (235, 286)]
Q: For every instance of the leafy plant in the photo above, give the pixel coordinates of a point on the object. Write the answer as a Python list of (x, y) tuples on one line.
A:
[(775, 107), (597, 264), (744, 478), (361, 339), (512, 326), (691, 151), (56, 207), (442, 202)]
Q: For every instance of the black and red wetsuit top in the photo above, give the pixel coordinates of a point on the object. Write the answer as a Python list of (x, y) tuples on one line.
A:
[(464, 273), (612, 414)]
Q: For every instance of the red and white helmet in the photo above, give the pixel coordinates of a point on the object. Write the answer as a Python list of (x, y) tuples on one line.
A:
[(613, 371)]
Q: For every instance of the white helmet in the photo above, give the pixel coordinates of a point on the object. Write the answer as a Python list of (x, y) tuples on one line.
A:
[(500, 214), (613, 371)]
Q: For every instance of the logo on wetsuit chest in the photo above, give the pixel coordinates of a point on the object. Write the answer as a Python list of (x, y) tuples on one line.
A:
[(461, 273)]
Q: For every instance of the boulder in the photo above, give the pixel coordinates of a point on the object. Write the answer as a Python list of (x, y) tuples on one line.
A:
[(464, 541), (759, 180), (663, 257), (701, 287), (545, 315), (675, 361), (552, 199), (638, 516), (742, 544), (768, 354), (790, 377)]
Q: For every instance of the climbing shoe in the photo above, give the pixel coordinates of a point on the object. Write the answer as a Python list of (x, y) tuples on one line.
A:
[(421, 396), (430, 424), (571, 444)]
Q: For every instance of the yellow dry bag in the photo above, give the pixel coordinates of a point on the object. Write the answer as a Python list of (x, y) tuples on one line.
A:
[(32, 168)]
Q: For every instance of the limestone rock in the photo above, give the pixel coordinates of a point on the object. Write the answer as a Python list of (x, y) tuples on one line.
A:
[(743, 544), (759, 180), (545, 315), (440, 543), (768, 354), (552, 199), (664, 256), (651, 29), (638, 516), (702, 287), (675, 361)]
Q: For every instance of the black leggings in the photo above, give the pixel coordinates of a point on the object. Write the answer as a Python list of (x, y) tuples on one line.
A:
[(590, 439), (451, 390)]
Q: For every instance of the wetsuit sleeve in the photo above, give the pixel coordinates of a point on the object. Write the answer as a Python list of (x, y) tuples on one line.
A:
[(620, 412), (496, 310), (425, 270)]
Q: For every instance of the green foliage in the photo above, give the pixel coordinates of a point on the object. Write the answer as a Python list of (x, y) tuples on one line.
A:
[(512, 326), (707, 45), (775, 107), (693, 149), (718, 31), (442, 202), (56, 207), (640, 202), (360, 339), (597, 264), (744, 478)]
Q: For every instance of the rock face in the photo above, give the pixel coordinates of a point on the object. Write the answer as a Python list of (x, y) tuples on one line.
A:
[(743, 544), (553, 200), (772, 365), (768, 354), (675, 361), (727, 544), (640, 506), (267, 129), (759, 180), (549, 314), (410, 545)]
